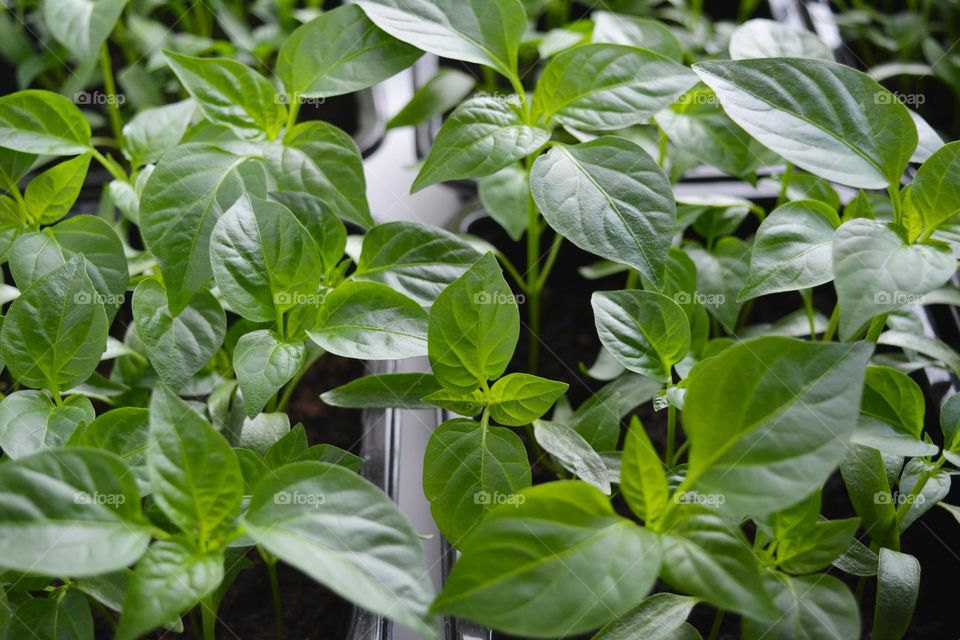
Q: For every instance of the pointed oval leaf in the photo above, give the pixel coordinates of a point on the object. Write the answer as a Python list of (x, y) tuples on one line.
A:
[(82, 26), (263, 364), (643, 481), (31, 422), (616, 28), (385, 390), (573, 452), (934, 193), (811, 608), (44, 123), (51, 195), (763, 38), (518, 399)]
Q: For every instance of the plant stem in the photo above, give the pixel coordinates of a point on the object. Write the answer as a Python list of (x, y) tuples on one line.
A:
[(680, 451), (785, 184), (208, 614), (715, 629), (917, 488), (113, 108), (533, 278), (671, 433), (832, 325), (894, 192), (109, 166), (876, 327), (271, 561), (551, 260), (808, 305), (292, 113)]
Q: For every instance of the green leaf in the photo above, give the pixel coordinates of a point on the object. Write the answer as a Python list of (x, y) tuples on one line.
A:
[(561, 562), (869, 491), (793, 249), (795, 409), (169, 580), (573, 452), (36, 254), (264, 363), (340, 182), (643, 481), (486, 33), (195, 475), (264, 261), (770, 39), (506, 196), (31, 422), (82, 519), (473, 329), (930, 347), (610, 198), (898, 586), (605, 87), (616, 28), (722, 273), (124, 432), (55, 332), (417, 260), (891, 414), (13, 167), (340, 52), (57, 617), (645, 331), (232, 94), (383, 391), (465, 404), (51, 195), (329, 234), (824, 117), (371, 321), (182, 201), (658, 617), (934, 195), (817, 548), (811, 608), (877, 271), (43, 123), (345, 533), (708, 558), (82, 26), (153, 132), (468, 470), (178, 346), (444, 91), (518, 399), (936, 488), (484, 135), (950, 428)]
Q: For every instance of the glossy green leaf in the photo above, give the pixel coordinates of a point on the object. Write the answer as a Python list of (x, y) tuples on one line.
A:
[(444, 91), (891, 414), (518, 399), (484, 135), (605, 87), (763, 38), (468, 470), (616, 28), (560, 563), (153, 132), (14, 165), (722, 273), (263, 431), (793, 249), (658, 617), (264, 261), (368, 320), (643, 481), (54, 334), (168, 581), (738, 449), (124, 432), (82, 519), (486, 33), (386, 390), (82, 26), (898, 587), (30, 422), (818, 547), (950, 428), (930, 347), (263, 364), (934, 194), (935, 489), (327, 231), (51, 195), (345, 533), (824, 117), (876, 271), (706, 557), (811, 608), (42, 122), (645, 331), (178, 346), (506, 197), (610, 198), (195, 475), (418, 261), (473, 329), (573, 452), (182, 201), (869, 490), (36, 254), (59, 617), (232, 94), (340, 52)]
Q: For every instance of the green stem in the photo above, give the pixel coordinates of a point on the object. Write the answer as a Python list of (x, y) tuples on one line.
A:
[(512, 270), (113, 108), (876, 327), (894, 191), (811, 317), (290, 387), (917, 488), (680, 451), (661, 147), (551, 260), (21, 203), (292, 113), (208, 613), (715, 629), (109, 166), (533, 278), (832, 325), (671, 431), (271, 561), (785, 184)]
